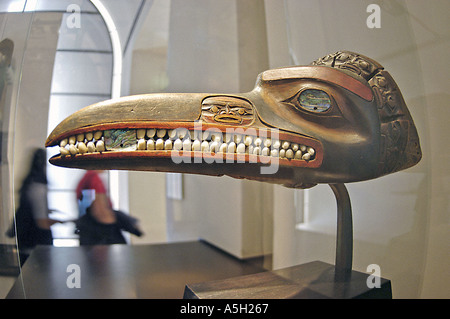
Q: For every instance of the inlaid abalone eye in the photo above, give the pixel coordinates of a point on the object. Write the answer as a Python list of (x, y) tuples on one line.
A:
[(314, 100)]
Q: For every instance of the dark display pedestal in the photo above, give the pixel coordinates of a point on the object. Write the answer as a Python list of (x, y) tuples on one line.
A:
[(311, 280)]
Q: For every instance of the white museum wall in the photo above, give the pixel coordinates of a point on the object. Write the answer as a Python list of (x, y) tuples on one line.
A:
[(432, 32)]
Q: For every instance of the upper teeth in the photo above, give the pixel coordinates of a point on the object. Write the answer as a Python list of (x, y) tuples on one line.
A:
[(180, 140)]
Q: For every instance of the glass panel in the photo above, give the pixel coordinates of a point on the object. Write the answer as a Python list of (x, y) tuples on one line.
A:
[(389, 223), (58, 5), (81, 72), (83, 38), (14, 29), (62, 105), (12, 6)]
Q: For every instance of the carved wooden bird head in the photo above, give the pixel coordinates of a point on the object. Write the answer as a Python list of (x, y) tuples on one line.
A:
[(341, 119)]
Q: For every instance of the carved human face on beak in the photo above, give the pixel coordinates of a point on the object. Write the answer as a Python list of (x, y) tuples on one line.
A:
[(341, 119), (227, 110)]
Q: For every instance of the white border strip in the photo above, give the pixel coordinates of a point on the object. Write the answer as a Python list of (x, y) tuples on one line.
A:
[(116, 47)]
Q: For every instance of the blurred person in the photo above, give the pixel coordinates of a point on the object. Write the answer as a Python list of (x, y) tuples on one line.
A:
[(100, 224), (32, 221)]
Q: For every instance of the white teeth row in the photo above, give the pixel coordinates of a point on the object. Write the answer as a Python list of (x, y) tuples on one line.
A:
[(184, 140), (82, 143)]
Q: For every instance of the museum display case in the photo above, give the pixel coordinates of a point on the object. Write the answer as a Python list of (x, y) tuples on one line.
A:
[(58, 57), (13, 41)]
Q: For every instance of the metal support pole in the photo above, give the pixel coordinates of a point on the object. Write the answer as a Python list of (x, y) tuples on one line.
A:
[(344, 237)]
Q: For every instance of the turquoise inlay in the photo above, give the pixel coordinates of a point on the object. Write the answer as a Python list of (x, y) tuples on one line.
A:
[(120, 140)]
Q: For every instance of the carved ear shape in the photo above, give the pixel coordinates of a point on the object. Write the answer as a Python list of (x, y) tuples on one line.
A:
[(400, 147)]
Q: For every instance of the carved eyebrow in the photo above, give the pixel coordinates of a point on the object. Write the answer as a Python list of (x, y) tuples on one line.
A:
[(224, 100), (322, 73)]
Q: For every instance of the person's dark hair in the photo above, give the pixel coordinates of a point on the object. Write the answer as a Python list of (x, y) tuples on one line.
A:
[(38, 171)]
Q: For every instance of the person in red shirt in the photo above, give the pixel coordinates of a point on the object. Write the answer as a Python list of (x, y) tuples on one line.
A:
[(101, 224), (91, 180)]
